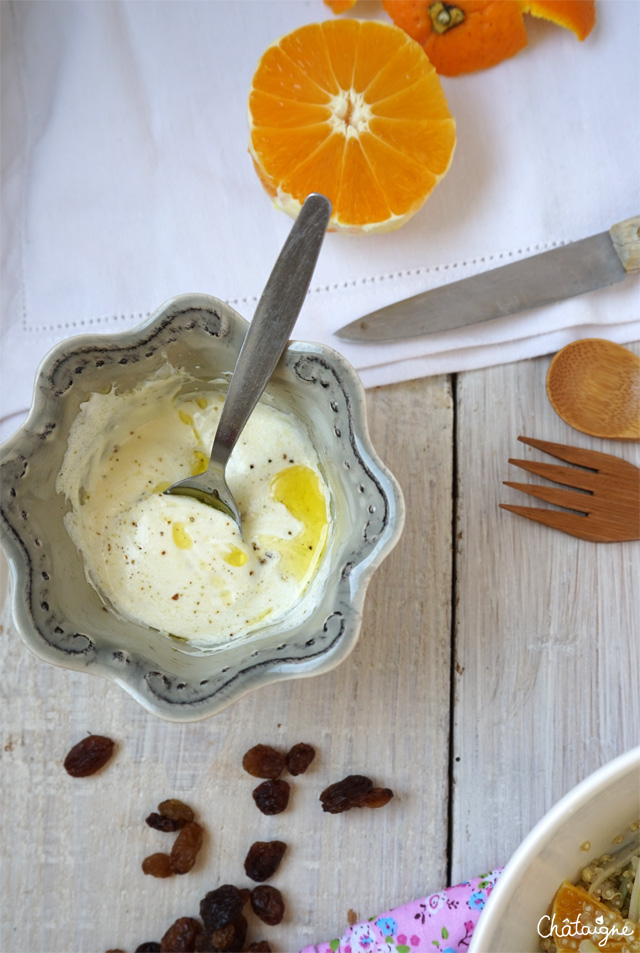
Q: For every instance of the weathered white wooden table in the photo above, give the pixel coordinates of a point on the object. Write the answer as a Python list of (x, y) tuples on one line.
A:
[(497, 666)]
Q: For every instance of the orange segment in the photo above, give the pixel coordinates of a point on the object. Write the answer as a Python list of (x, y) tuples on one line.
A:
[(307, 49), (576, 916), (355, 110), (576, 15), (463, 36), (288, 149), (361, 198), (428, 143), (269, 109), (281, 76), (397, 174)]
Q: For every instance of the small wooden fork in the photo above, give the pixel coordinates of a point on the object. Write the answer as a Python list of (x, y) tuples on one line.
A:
[(609, 510)]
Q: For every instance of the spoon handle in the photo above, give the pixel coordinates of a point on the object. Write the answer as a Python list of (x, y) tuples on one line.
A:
[(272, 323)]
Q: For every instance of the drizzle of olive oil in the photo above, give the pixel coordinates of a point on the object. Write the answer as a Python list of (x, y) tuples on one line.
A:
[(201, 462), (256, 619), (180, 536), (235, 557), (299, 489), (188, 419), (161, 487)]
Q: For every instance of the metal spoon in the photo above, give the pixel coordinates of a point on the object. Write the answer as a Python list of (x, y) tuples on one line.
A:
[(261, 350)]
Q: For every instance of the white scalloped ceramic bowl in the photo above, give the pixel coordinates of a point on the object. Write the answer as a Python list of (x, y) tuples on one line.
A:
[(602, 807), (58, 613)]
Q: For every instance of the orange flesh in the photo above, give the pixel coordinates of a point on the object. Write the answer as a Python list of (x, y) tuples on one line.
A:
[(576, 910)]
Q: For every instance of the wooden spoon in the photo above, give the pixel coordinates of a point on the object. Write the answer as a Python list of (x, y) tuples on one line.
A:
[(594, 385)]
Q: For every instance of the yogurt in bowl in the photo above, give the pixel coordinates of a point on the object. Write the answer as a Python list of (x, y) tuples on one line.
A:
[(172, 562), (160, 593)]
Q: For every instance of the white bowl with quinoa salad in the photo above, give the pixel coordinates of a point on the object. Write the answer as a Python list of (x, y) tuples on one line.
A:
[(574, 882), (163, 594)]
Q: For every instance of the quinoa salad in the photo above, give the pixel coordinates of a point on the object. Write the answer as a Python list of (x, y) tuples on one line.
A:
[(601, 910)]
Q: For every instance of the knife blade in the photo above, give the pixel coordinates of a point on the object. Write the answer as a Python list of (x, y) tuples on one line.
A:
[(563, 272)]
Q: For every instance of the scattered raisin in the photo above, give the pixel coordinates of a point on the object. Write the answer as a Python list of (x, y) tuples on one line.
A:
[(220, 907), (158, 865), (166, 824), (267, 903), (176, 810), (261, 946), (203, 943), (230, 939), (223, 938), (377, 797), (181, 936), (345, 794), (149, 947), (263, 859), (263, 761), (88, 756), (272, 796), (299, 758), (185, 848)]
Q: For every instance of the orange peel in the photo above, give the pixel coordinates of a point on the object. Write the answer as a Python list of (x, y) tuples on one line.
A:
[(576, 15), (340, 6), (463, 36)]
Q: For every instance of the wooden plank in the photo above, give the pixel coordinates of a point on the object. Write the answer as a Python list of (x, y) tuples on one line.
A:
[(546, 635), (72, 849)]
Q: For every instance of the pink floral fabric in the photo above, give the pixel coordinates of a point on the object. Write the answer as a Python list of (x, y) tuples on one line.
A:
[(441, 923)]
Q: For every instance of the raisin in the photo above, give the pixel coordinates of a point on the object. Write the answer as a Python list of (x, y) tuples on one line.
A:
[(149, 947), (345, 794), (176, 810), (88, 756), (261, 946), (166, 824), (185, 848), (158, 865), (272, 796), (377, 797), (230, 939), (263, 761), (203, 943), (220, 907), (267, 903), (223, 938), (181, 936), (299, 758), (263, 859)]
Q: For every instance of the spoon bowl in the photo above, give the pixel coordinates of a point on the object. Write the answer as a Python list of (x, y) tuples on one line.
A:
[(262, 348), (594, 386)]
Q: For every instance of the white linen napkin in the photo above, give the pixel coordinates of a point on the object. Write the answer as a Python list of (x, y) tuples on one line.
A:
[(126, 180)]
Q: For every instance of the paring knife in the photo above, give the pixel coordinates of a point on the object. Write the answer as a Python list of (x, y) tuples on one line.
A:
[(563, 272)]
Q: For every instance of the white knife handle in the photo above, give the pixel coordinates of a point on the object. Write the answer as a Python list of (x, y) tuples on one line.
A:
[(626, 241)]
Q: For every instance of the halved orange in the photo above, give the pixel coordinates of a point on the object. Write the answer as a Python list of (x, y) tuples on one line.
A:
[(577, 915), (352, 109), (576, 15), (464, 36)]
